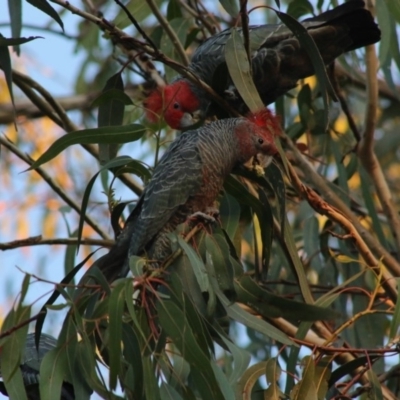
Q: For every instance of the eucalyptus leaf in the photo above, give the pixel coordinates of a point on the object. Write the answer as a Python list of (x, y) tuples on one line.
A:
[(115, 134)]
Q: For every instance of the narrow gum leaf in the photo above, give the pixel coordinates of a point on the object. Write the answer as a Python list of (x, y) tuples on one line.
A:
[(111, 135), (320, 70), (239, 70), (44, 6)]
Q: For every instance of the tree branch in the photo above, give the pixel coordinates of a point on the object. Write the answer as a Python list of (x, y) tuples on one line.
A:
[(366, 151), (38, 241), (169, 31), (54, 186), (128, 43), (332, 198)]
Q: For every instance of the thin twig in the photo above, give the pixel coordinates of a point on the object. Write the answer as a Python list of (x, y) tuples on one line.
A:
[(45, 29), (313, 341), (61, 119), (8, 332), (137, 26), (332, 198), (38, 101), (54, 186), (38, 240), (128, 43), (170, 32), (211, 28), (324, 208), (343, 103), (60, 112)]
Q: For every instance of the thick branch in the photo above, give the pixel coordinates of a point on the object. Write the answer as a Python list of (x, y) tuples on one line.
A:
[(366, 151)]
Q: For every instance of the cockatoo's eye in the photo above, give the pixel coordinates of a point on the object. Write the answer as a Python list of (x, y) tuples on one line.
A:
[(260, 141), (176, 106)]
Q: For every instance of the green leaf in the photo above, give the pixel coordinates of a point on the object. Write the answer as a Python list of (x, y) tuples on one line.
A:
[(395, 323), (220, 265), (259, 206), (115, 134), (5, 42), (270, 305), (15, 11), (296, 262), (231, 7), (112, 95), (54, 296), (385, 24), (311, 241), (10, 359), (223, 382), (305, 388), (24, 288), (274, 176), (135, 167), (375, 392), (111, 112), (267, 228), (52, 372), (184, 279), (229, 212), (174, 321), (168, 392), (272, 370), (173, 10), (75, 373), (44, 6), (116, 309), (132, 353), (239, 70), (322, 375), (300, 7), (195, 319), (116, 162), (394, 8), (197, 264), (239, 315), (312, 50), (5, 65), (150, 382), (85, 356), (249, 378), (241, 359)]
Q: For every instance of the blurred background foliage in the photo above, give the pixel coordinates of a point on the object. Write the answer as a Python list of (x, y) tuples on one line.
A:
[(333, 217)]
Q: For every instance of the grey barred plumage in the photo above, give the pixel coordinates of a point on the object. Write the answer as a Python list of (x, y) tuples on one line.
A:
[(187, 180), (278, 62), (30, 367)]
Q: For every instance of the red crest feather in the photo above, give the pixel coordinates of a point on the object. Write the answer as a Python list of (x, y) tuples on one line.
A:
[(162, 100), (266, 119), (153, 105)]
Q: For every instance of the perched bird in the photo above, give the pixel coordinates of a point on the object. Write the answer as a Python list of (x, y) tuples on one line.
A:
[(278, 62), (30, 367), (187, 180)]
